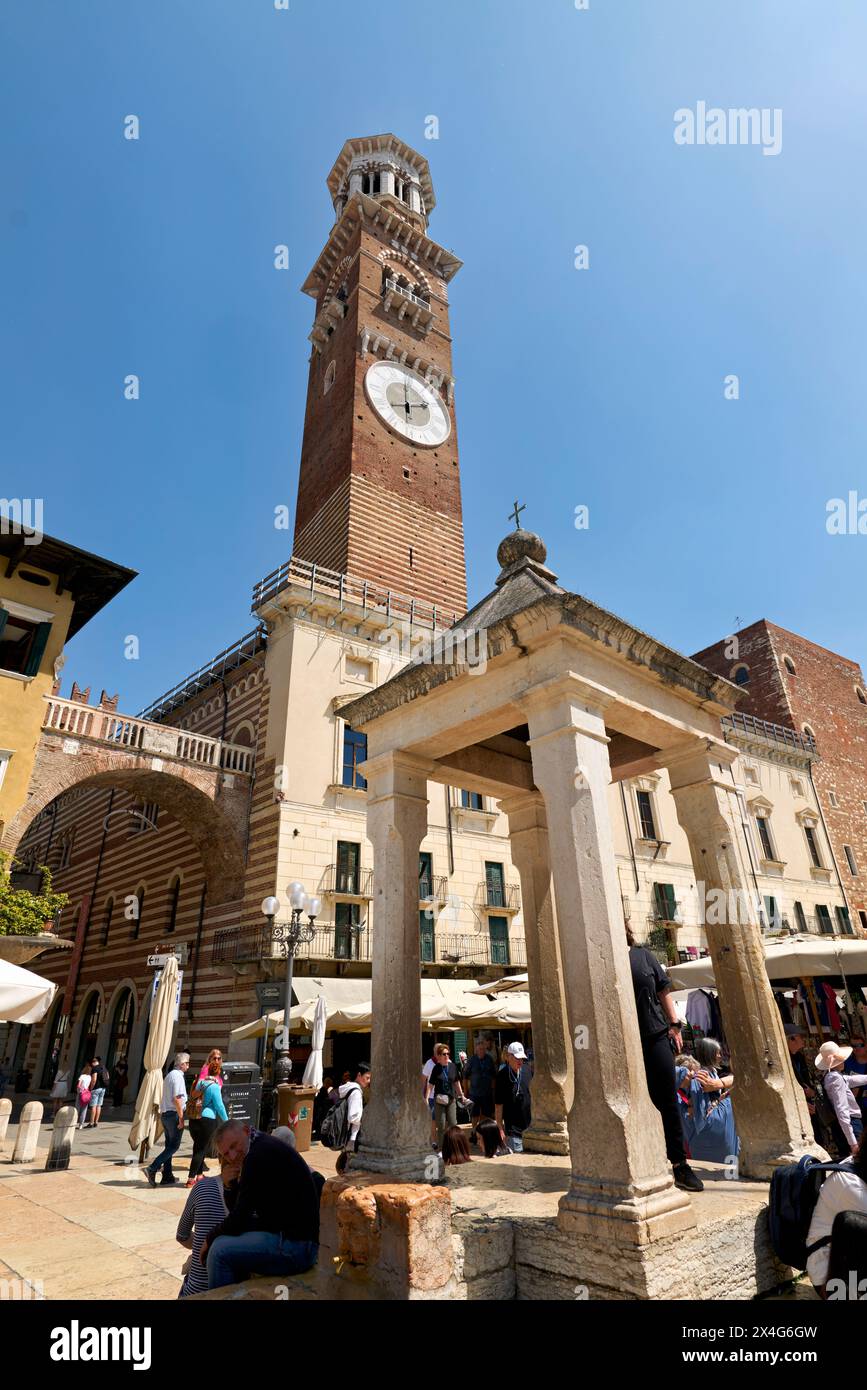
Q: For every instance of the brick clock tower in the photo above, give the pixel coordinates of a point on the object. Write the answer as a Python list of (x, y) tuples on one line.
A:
[(379, 489)]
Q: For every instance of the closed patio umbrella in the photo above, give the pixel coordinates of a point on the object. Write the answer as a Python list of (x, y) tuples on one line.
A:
[(313, 1071), (144, 1121), (24, 997)]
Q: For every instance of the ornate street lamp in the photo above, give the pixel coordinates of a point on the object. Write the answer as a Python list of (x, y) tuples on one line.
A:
[(292, 934)]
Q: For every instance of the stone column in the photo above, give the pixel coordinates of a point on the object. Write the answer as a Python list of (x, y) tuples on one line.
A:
[(414, 197), (28, 1132), (553, 1072), (62, 1136), (386, 179), (355, 179), (395, 1132), (770, 1110), (621, 1188), (5, 1112)]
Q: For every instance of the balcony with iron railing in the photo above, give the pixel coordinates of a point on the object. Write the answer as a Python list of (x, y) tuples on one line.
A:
[(406, 304), (473, 951), (237, 945), (344, 882), (748, 726), (343, 592), (498, 897), (433, 888), (256, 944)]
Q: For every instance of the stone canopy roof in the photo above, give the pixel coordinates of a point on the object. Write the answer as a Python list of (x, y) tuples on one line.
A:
[(527, 596)]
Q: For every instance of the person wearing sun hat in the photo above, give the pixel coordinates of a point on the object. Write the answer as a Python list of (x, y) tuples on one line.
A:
[(829, 1062)]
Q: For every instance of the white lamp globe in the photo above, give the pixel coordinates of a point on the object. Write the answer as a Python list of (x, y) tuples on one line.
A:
[(314, 906), (297, 894), (270, 906)]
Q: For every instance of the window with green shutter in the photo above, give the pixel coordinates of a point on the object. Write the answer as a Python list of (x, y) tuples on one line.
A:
[(22, 643), (498, 928), (426, 937), (665, 901), (843, 921)]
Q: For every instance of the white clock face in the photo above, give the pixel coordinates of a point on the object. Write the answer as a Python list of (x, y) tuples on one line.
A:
[(405, 402)]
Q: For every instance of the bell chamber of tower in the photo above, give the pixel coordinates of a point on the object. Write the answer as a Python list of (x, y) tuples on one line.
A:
[(379, 483)]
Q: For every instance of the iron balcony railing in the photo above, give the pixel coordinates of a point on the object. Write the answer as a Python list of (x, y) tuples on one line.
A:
[(433, 888), (506, 896), (350, 882), (240, 945), (480, 949), (773, 733), (349, 592)]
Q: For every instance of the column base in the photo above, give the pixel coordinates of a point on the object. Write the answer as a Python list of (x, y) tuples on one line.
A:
[(760, 1161), (625, 1214), (547, 1137), (414, 1165)]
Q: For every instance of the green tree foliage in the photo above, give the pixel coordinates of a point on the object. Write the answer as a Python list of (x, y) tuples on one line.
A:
[(23, 913)]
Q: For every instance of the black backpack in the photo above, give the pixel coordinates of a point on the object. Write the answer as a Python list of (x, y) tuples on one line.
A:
[(794, 1193), (334, 1130)]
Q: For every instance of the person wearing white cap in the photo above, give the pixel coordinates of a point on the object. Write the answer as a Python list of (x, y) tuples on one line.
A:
[(838, 1090), (512, 1097)]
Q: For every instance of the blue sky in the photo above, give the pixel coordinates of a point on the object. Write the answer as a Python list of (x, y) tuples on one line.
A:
[(601, 387)]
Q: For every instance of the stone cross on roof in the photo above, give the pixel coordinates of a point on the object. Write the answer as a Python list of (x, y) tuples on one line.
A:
[(516, 515)]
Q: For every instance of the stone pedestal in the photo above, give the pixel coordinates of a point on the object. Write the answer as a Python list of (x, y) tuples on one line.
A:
[(621, 1187), (62, 1135), (770, 1110), (553, 1072), (395, 1130), (28, 1133), (386, 1240), (5, 1112)]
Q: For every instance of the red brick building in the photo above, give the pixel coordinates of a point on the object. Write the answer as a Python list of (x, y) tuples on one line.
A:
[(791, 681)]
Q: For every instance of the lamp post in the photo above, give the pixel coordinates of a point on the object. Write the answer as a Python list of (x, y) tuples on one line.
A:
[(292, 934)]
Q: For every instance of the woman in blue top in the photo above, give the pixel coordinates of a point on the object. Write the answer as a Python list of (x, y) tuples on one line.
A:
[(710, 1128), (205, 1110)]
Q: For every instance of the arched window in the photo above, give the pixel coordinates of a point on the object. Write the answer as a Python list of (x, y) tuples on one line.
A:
[(861, 696), (806, 729), (106, 920), (174, 895), (55, 1045), (741, 675), (121, 1029), (89, 1031), (789, 665)]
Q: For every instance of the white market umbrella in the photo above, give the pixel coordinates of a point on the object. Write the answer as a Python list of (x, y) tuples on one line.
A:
[(24, 997), (144, 1121), (313, 1071), (786, 958), (504, 985)]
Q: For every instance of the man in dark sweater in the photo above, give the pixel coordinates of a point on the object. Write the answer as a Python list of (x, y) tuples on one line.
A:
[(273, 1223)]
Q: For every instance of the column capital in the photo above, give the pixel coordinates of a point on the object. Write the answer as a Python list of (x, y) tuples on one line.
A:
[(569, 686), (523, 804), (703, 760), (395, 773)]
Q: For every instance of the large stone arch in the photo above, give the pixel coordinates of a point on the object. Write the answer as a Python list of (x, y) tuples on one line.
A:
[(210, 807)]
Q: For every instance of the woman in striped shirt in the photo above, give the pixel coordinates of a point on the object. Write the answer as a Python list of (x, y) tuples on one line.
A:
[(206, 1208)]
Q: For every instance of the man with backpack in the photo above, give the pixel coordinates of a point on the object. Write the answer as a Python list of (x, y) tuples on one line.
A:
[(343, 1121), (100, 1078)]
